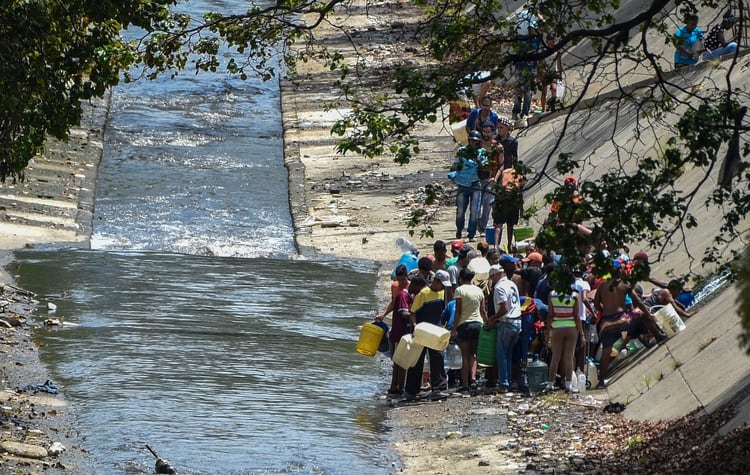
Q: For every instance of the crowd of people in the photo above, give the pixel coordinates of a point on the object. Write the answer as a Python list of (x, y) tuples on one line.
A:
[(482, 288)]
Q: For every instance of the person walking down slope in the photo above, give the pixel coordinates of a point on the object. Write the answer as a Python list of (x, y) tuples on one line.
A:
[(689, 41), (469, 159), (716, 44)]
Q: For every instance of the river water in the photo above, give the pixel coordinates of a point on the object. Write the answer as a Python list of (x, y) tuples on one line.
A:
[(192, 325)]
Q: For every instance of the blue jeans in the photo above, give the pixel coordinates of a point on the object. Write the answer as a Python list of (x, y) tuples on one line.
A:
[(468, 197), (507, 337), (730, 48), (526, 76), (488, 199)]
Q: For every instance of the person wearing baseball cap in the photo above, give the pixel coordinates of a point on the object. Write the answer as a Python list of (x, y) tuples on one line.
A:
[(443, 277), (530, 273), (428, 307), (469, 159), (455, 250), (507, 318)]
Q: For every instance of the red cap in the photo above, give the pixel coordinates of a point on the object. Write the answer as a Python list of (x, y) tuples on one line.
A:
[(570, 180), (457, 245), (534, 256), (641, 256)]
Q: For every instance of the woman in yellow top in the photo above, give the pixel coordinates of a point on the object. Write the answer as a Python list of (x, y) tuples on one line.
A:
[(471, 314), (563, 329)]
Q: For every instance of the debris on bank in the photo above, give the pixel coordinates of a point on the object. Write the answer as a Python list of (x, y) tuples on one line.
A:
[(36, 429)]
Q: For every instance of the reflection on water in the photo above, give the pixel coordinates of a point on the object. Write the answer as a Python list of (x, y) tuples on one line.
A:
[(225, 365)]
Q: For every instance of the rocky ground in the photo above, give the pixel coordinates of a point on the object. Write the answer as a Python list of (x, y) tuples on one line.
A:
[(558, 433), (37, 425)]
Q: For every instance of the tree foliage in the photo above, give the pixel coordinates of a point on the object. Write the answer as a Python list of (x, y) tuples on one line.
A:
[(68, 52)]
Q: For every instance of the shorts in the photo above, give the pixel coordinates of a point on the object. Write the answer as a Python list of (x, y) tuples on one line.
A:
[(611, 328), (506, 216), (469, 331)]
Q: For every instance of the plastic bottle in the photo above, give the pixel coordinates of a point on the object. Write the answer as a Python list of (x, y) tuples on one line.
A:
[(453, 358), (573, 382), (406, 246), (581, 380), (593, 372)]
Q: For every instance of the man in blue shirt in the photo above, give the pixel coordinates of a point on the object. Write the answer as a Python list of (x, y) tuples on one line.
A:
[(469, 159), (689, 40)]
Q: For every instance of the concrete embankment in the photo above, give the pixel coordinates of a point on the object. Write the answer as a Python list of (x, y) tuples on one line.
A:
[(54, 204)]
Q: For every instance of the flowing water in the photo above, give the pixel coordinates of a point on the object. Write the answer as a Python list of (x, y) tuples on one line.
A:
[(192, 324)]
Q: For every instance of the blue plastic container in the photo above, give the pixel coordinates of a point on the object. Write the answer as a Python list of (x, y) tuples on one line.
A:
[(409, 260), (489, 235)]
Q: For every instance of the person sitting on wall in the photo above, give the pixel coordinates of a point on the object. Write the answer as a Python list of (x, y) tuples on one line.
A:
[(716, 44)]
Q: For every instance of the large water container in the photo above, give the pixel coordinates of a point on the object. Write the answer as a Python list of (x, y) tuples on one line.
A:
[(369, 339), (431, 336), (487, 346), (408, 259), (669, 320), (453, 358), (407, 352), (537, 375)]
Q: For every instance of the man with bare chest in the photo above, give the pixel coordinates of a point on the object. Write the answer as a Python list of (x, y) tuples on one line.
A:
[(610, 301)]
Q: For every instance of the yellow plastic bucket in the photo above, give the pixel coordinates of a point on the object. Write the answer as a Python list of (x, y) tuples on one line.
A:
[(369, 339)]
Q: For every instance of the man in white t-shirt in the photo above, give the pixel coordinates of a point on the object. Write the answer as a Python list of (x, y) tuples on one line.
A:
[(507, 318)]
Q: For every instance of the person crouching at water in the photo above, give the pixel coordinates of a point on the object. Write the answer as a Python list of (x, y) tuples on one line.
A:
[(471, 314)]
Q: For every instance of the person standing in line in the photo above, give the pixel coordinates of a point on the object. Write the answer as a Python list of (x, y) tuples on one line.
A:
[(471, 314), (689, 39), (401, 326), (440, 256), (428, 306), (716, 44), (564, 330), (454, 271), (469, 159), (508, 143), (401, 283), (507, 318)]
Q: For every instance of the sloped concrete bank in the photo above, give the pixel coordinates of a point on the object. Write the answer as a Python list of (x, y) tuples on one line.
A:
[(54, 204)]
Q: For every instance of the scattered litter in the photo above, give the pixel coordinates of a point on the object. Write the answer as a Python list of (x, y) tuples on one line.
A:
[(47, 387)]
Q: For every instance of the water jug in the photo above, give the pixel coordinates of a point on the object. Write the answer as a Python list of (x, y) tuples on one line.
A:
[(669, 320), (431, 336), (573, 381), (407, 259), (592, 373), (453, 359), (581, 381), (537, 375), (407, 352), (487, 347)]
